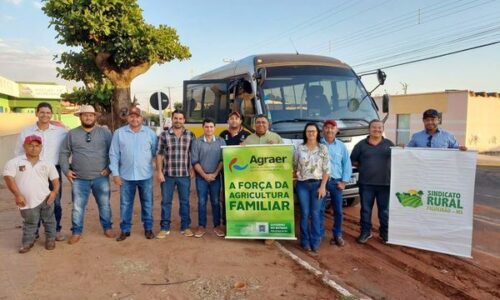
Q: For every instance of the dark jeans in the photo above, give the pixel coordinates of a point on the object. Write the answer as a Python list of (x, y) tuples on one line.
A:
[(167, 194), (370, 193), (57, 202), (204, 190), (32, 217), (336, 203), (127, 196), (310, 207)]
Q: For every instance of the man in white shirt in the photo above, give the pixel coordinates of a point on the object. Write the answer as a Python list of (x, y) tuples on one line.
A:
[(52, 137), (27, 177)]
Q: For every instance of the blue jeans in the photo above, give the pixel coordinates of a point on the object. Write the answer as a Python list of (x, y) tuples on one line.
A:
[(310, 207), (336, 203), (80, 195), (167, 194), (204, 189), (368, 194), (127, 195)]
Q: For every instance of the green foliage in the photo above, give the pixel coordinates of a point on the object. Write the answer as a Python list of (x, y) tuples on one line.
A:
[(99, 96), (115, 27), (79, 66)]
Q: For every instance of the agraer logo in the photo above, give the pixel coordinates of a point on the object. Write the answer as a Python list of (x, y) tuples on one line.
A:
[(410, 199), (232, 164)]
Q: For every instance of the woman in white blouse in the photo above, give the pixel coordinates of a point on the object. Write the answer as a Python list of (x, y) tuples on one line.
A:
[(312, 168)]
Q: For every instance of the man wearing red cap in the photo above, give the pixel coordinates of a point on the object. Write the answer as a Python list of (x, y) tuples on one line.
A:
[(341, 170), (27, 177), (52, 137)]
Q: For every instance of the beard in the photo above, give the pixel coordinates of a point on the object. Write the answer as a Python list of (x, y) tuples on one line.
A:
[(88, 125)]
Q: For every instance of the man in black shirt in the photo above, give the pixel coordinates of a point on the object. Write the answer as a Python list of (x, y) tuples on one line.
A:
[(372, 156), (235, 134)]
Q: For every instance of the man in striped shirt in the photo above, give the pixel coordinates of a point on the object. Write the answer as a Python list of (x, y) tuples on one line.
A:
[(173, 161)]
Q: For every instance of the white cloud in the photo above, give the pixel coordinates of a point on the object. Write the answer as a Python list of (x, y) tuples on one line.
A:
[(37, 4), (15, 2)]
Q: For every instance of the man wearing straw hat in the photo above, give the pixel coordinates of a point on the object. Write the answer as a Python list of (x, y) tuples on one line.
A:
[(88, 146)]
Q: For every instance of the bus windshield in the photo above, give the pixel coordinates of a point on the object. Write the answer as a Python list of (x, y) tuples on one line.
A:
[(297, 94)]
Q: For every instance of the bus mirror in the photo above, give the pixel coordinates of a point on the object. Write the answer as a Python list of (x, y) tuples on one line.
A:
[(385, 103), (381, 76), (353, 105), (260, 76)]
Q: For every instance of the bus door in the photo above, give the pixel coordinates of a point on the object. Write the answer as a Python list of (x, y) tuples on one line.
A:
[(206, 99)]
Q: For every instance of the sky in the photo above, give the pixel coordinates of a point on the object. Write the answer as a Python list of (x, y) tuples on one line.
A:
[(366, 34)]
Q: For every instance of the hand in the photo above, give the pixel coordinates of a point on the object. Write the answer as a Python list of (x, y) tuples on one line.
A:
[(20, 201), (462, 148), (401, 145), (117, 180), (341, 185), (51, 197), (71, 176), (105, 172), (160, 176), (210, 177), (270, 142), (191, 173), (321, 192)]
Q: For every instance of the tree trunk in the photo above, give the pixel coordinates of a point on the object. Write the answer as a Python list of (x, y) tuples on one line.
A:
[(121, 103)]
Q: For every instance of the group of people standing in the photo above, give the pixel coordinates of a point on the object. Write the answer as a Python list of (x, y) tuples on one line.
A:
[(89, 154)]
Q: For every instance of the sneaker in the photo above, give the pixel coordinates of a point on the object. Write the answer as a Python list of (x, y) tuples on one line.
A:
[(364, 237), (199, 232), (306, 248), (26, 248), (384, 239), (162, 234), (339, 241), (50, 244), (60, 237), (219, 231), (187, 232)]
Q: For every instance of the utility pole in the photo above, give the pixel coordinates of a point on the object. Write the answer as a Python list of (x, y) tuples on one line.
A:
[(404, 86)]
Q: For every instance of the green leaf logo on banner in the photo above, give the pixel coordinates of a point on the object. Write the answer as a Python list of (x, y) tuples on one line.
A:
[(410, 199)]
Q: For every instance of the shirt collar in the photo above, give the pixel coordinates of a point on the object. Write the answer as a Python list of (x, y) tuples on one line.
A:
[(214, 138), (130, 129), (437, 131), (324, 141), (36, 128)]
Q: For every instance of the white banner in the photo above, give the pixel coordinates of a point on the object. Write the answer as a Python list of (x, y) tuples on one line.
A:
[(432, 199)]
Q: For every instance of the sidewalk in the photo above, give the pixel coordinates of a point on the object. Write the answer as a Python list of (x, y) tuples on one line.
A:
[(488, 160)]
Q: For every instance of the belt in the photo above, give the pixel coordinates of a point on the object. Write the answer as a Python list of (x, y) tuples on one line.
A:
[(312, 180)]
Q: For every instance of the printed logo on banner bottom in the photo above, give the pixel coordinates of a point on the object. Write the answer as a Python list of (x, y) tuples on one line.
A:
[(410, 199)]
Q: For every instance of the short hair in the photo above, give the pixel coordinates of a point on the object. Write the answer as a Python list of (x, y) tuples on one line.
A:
[(43, 104), (178, 111), (375, 121), (304, 134), (207, 120), (260, 116)]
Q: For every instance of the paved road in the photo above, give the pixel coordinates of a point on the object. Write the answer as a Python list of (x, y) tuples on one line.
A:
[(487, 187)]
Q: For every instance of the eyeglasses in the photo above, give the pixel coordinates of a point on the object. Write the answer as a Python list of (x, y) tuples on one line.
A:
[(429, 140), (89, 137)]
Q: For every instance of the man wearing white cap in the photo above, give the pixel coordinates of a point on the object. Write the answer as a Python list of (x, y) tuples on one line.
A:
[(88, 146)]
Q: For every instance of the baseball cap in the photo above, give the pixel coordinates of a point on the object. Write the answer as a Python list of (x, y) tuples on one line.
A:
[(134, 110), (431, 113), (330, 122), (32, 138), (234, 113)]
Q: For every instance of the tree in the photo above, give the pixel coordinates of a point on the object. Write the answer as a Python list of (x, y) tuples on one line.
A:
[(114, 42)]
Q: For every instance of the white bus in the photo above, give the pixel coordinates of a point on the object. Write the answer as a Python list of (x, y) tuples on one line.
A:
[(291, 89)]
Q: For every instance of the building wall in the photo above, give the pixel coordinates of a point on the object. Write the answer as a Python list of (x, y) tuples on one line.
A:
[(452, 105), (483, 122)]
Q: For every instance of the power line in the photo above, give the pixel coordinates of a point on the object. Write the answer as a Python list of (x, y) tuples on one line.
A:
[(432, 57)]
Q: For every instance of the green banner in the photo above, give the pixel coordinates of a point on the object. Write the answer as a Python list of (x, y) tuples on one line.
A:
[(259, 191)]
